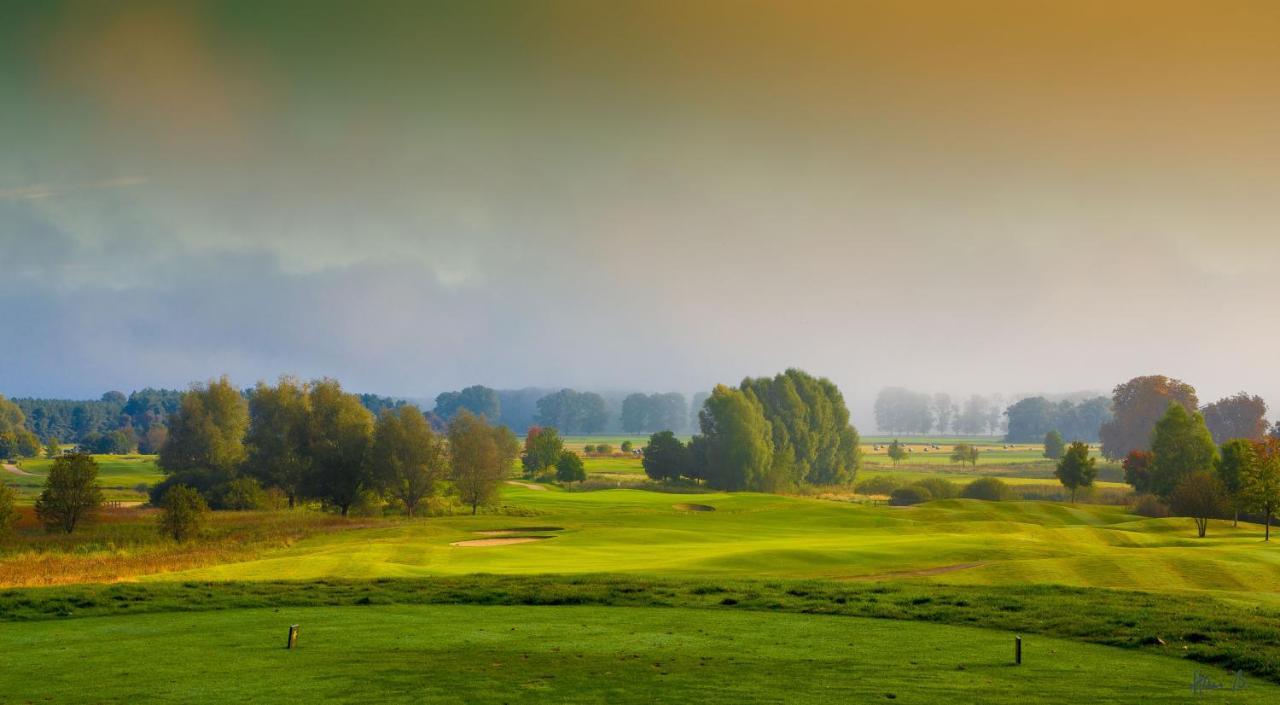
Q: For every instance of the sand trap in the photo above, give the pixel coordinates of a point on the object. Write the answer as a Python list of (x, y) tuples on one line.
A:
[(500, 542), (517, 530), (17, 470), (528, 485), (694, 507)]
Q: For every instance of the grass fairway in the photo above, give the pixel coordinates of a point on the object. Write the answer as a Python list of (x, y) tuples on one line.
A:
[(469, 654), (118, 475), (755, 535)]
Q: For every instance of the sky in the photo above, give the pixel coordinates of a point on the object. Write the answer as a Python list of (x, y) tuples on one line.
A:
[(413, 197)]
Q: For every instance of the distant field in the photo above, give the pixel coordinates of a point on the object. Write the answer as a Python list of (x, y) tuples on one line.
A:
[(119, 475), (518, 654)]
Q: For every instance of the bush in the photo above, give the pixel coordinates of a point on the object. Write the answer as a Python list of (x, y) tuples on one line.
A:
[(546, 475), (243, 493), (569, 468), (939, 488), (588, 449), (877, 485), (989, 489), (369, 504), (911, 494), (604, 449), (8, 512), (183, 512), (627, 447), (1149, 505)]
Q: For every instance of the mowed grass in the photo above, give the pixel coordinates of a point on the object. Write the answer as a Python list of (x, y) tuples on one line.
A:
[(514, 654), (755, 535), (118, 475)]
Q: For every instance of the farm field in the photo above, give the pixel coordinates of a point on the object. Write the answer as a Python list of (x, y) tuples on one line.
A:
[(756, 535), (504, 654)]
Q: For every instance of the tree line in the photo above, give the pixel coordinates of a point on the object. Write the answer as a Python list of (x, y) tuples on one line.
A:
[(312, 441), (767, 434), (573, 411), (903, 411)]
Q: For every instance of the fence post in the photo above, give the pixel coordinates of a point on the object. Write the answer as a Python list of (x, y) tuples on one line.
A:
[(293, 636), (1017, 650)]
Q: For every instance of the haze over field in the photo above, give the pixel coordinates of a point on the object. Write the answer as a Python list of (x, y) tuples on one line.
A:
[(1017, 197)]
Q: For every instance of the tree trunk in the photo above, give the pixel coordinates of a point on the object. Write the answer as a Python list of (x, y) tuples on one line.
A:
[(474, 507), (1268, 538), (345, 509), (1235, 520)]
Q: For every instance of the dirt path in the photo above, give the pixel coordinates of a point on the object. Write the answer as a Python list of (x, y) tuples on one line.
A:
[(17, 470), (916, 573), (527, 485)]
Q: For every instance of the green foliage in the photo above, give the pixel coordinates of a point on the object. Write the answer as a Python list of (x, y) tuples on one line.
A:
[(604, 449), (206, 436), (277, 437), (987, 488), (542, 449), (738, 452), (480, 456), (1260, 491), (573, 412), (241, 493), (881, 484), (339, 433), (647, 413), (479, 400), (589, 448), (1076, 469), (1234, 461), (8, 508), (52, 448), (911, 494), (626, 447), (898, 452), (182, 513), (1054, 446), (1201, 496), (939, 488), (1149, 505), (407, 457), (965, 453), (813, 441), (665, 457), (1180, 445), (569, 468), (71, 495)]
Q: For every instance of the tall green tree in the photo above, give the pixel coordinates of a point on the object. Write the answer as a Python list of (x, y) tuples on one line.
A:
[(665, 457), (569, 468), (339, 432), (71, 495), (1180, 445), (1261, 487), (1234, 461), (898, 452), (542, 449), (276, 442), (965, 453), (738, 452), (206, 436), (407, 458), (478, 399), (813, 441), (8, 508), (1054, 446), (480, 457), (1076, 469)]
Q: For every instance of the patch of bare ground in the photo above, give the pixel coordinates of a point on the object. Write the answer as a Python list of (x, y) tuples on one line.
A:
[(500, 542), (694, 507)]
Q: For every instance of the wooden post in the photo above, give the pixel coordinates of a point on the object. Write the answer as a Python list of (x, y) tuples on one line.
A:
[(293, 636), (1017, 650)]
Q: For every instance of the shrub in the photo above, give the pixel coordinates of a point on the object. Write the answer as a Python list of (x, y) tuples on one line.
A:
[(627, 447), (569, 468), (182, 513), (939, 488), (274, 498), (8, 512), (546, 475), (604, 449), (989, 489), (911, 494), (588, 449), (1149, 505), (243, 493), (877, 485)]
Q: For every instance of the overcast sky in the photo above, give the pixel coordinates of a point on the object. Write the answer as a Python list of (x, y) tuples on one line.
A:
[(959, 196)]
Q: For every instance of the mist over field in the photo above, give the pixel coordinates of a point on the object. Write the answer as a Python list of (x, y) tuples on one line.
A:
[(627, 197)]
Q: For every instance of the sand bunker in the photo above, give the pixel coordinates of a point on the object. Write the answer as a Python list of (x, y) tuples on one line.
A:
[(500, 542), (517, 530), (694, 507)]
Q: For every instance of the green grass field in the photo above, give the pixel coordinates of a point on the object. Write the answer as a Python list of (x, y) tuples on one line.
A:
[(118, 475), (954, 541), (497, 654)]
